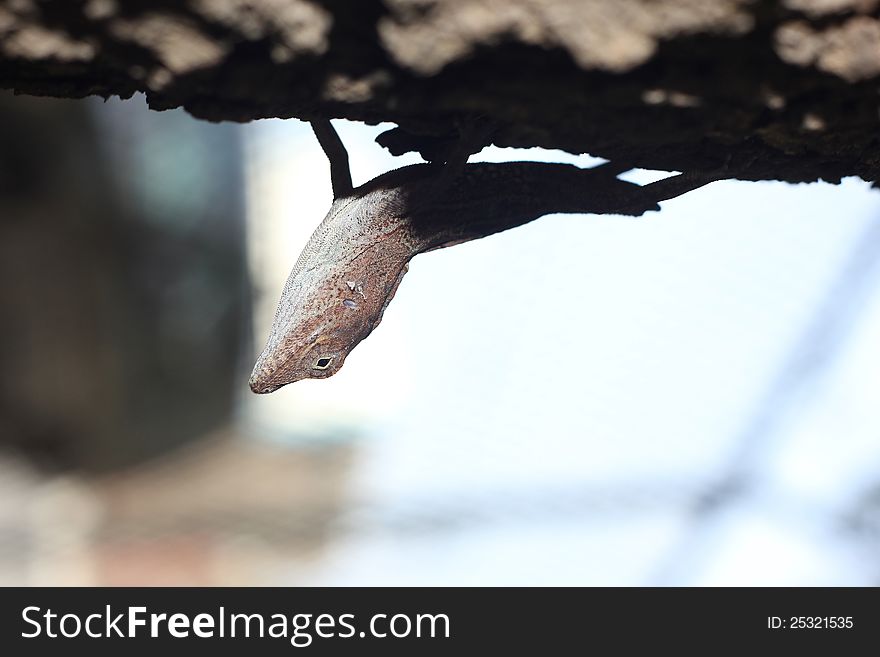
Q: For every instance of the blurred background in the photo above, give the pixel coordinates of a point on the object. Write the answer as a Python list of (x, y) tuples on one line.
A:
[(686, 398)]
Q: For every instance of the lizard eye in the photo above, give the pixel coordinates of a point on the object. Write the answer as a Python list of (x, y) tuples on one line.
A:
[(323, 363)]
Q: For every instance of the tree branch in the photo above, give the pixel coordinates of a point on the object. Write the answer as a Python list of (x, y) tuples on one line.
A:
[(787, 86)]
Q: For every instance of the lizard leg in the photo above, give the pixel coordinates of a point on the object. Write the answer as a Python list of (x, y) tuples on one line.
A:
[(340, 174), (648, 196), (474, 134)]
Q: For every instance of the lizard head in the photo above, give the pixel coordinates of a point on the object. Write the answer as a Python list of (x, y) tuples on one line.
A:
[(324, 312), (313, 331)]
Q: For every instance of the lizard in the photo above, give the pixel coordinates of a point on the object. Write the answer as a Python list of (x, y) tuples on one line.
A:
[(352, 265)]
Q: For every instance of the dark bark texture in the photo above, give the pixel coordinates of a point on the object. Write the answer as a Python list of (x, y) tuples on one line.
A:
[(773, 89)]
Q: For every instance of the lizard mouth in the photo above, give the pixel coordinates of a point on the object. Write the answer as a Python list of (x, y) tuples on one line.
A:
[(261, 384), (265, 377), (268, 377), (262, 388)]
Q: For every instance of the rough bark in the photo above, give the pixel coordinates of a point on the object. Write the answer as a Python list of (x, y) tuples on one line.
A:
[(775, 89)]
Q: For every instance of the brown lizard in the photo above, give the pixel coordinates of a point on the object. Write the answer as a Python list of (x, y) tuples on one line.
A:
[(351, 267)]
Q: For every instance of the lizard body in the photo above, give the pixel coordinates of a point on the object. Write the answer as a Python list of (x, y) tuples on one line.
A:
[(352, 265)]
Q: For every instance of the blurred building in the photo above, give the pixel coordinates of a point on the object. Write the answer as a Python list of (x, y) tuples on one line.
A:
[(126, 297)]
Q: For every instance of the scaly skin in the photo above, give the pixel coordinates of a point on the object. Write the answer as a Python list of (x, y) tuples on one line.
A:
[(352, 265)]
